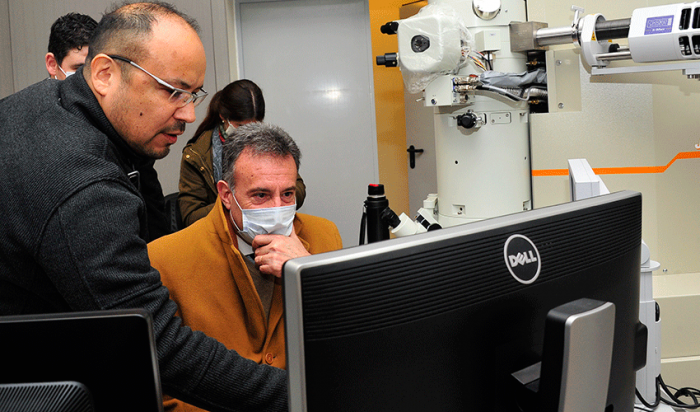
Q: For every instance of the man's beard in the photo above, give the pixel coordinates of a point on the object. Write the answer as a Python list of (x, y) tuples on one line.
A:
[(154, 154)]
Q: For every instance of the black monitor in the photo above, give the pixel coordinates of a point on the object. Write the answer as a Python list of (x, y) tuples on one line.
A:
[(104, 360), (442, 321)]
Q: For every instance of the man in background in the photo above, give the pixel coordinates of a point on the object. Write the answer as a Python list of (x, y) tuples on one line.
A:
[(68, 44)]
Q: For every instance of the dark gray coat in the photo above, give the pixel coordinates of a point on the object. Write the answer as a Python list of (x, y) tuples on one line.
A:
[(72, 239)]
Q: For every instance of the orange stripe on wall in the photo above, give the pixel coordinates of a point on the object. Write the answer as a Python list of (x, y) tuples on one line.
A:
[(620, 170)]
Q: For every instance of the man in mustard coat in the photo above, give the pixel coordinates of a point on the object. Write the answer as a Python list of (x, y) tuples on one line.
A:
[(224, 270)]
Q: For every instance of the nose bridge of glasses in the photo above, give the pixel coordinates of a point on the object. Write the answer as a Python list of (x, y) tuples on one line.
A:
[(180, 97), (183, 98), (185, 112), (199, 97)]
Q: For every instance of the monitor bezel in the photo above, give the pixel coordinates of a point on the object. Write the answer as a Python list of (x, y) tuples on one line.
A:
[(113, 323)]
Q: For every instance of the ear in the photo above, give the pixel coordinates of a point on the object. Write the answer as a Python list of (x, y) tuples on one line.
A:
[(105, 74), (51, 65), (225, 193)]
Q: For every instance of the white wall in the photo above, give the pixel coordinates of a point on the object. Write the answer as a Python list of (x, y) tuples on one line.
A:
[(325, 104), (641, 120)]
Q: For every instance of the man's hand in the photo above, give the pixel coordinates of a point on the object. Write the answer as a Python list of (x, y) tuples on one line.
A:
[(271, 251)]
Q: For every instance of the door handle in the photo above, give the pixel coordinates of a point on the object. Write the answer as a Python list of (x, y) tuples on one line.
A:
[(412, 155)]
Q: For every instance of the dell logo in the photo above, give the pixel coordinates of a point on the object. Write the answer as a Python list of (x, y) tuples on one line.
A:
[(522, 259)]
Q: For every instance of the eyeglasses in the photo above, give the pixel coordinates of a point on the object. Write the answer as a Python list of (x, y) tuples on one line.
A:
[(179, 97)]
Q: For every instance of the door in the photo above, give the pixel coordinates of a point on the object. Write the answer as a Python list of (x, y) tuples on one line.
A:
[(420, 133), (313, 61)]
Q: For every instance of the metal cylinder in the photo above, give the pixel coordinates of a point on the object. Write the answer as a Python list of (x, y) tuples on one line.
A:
[(604, 30), (612, 29), (465, 80), (556, 35), (536, 92), (462, 88), (620, 55)]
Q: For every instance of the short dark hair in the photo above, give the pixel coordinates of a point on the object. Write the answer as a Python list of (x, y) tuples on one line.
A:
[(261, 139), (122, 29), (72, 31), (239, 101)]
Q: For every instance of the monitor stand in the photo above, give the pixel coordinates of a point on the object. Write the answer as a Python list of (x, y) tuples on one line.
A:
[(577, 353)]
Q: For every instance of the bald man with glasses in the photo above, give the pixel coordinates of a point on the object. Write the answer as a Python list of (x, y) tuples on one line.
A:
[(145, 174), (75, 225)]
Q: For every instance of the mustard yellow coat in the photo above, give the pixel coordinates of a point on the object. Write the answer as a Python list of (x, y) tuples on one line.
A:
[(209, 280)]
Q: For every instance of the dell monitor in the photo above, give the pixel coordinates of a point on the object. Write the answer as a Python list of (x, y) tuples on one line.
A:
[(444, 320), (102, 361)]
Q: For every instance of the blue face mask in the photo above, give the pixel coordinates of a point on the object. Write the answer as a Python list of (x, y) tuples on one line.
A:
[(270, 220)]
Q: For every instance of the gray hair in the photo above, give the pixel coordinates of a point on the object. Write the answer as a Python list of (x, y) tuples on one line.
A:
[(261, 139)]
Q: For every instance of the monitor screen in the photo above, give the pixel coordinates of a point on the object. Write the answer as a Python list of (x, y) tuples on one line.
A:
[(440, 321), (109, 353)]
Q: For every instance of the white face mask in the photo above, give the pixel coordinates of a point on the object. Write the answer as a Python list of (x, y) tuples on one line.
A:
[(229, 130), (67, 74), (270, 220)]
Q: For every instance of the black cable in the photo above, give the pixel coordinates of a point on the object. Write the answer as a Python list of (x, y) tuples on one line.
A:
[(644, 402), (657, 399), (675, 402)]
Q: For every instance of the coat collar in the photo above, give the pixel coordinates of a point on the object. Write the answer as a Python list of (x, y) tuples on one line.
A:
[(78, 98)]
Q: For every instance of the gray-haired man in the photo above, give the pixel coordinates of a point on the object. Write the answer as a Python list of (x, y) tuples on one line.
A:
[(224, 270)]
